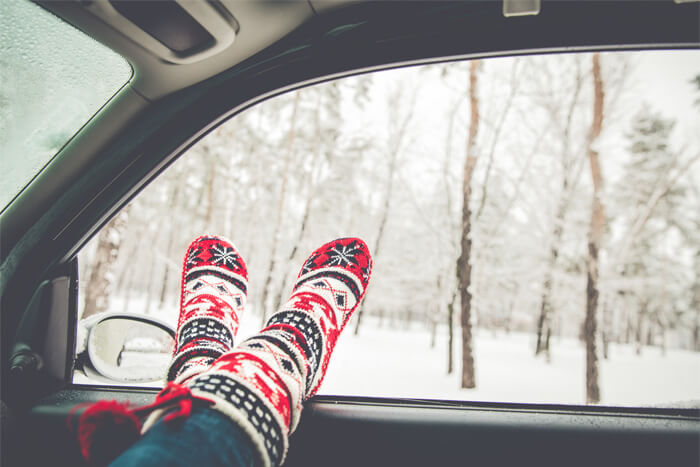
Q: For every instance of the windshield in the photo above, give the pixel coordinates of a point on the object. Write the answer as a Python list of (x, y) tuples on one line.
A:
[(53, 78)]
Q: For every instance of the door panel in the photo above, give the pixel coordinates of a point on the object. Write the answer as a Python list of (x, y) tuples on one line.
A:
[(364, 431)]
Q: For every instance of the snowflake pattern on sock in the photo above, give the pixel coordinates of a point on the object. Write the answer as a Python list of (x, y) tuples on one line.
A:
[(212, 298), (350, 255), (261, 384), (224, 256), (329, 287)]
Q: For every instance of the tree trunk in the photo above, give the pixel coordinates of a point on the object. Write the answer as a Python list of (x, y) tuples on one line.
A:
[(605, 335), (450, 333), (544, 322), (211, 182), (594, 239), (128, 290), (307, 203), (396, 143), (452, 269), (101, 283), (295, 248), (696, 332), (639, 330), (464, 266), (280, 208), (514, 82), (174, 203), (150, 275)]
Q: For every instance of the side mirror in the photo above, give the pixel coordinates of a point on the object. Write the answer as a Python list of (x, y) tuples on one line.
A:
[(127, 348)]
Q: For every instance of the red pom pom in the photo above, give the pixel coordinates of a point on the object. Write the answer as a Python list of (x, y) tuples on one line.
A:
[(105, 430)]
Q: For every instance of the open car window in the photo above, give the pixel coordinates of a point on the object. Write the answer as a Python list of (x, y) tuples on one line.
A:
[(534, 223)]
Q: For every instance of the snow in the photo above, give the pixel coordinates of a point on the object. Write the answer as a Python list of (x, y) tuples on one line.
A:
[(398, 362)]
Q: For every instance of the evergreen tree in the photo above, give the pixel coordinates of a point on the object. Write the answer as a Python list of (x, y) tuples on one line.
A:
[(650, 270)]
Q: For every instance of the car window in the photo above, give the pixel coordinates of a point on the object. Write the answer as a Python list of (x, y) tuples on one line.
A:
[(534, 223), (53, 78)]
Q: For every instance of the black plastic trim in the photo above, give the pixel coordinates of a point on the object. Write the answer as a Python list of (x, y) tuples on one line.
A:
[(366, 431)]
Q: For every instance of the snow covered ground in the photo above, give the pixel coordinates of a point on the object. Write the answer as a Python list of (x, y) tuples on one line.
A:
[(381, 362), (399, 362)]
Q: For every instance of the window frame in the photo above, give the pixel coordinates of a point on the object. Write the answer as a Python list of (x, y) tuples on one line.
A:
[(314, 54)]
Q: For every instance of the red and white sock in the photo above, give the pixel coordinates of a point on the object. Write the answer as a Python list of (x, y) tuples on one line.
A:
[(262, 383), (212, 299)]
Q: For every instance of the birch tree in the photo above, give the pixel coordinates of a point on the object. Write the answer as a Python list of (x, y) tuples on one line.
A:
[(464, 266), (397, 135), (594, 237), (569, 173), (280, 207)]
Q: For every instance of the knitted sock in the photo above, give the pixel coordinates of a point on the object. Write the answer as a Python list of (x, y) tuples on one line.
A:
[(262, 383), (212, 298)]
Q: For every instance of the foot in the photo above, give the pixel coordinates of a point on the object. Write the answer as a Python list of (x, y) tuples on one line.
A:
[(212, 299), (262, 383), (328, 290)]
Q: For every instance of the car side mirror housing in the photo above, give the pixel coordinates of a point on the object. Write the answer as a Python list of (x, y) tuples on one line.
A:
[(125, 348)]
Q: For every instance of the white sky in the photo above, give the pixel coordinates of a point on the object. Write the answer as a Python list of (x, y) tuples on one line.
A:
[(674, 97), (661, 78)]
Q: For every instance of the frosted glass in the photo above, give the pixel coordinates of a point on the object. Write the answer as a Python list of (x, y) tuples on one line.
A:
[(53, 78)]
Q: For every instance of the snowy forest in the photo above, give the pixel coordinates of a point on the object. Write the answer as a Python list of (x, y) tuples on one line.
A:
[(534, 223)]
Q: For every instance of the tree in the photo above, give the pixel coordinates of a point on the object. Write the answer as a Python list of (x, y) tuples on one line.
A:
[(569, 173), (398, 127), (450, 229), (650, 201), (101, 283), (464, 267), (696, 82), (595, 234), (280, 207)]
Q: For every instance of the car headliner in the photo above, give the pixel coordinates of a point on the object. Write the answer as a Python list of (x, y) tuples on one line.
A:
[(280, 46)]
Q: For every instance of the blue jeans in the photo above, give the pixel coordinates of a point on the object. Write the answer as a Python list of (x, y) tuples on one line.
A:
[(205, 438)]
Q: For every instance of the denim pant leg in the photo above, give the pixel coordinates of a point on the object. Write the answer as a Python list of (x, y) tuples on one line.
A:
[(205, 438)]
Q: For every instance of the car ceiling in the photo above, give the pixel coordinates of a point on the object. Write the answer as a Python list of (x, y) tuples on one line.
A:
[(257, 24)]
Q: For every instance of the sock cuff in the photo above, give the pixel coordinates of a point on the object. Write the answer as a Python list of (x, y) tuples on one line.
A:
[(245, 406)]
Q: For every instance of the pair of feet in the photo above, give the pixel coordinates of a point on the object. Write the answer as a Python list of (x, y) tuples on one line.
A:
[(261, 383)]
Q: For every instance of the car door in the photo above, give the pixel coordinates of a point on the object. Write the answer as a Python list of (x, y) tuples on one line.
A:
[(45, 227)]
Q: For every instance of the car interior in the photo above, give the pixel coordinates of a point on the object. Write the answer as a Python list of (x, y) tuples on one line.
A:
[(196, 65)]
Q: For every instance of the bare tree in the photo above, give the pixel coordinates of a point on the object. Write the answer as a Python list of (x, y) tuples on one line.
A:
[(464, 267), (310, 192), (397, 134), (102, 274), (594, 237), (174, 206), (280, 206), (450, 304), (496, 138), (544, 321)]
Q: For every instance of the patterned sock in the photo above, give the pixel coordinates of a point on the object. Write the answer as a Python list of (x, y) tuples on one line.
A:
[(212, 298), (262, 383)]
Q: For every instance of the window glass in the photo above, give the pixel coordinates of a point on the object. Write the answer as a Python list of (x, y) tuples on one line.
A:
[(53, 78), (572, 275)]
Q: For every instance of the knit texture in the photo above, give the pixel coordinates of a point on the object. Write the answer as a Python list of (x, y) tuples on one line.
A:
[(262, 383), (212, 299)]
